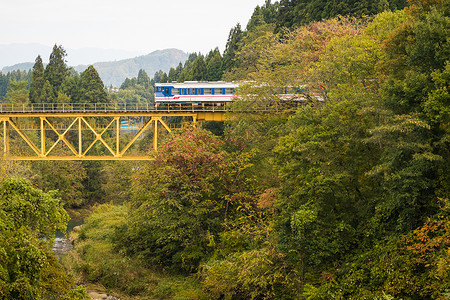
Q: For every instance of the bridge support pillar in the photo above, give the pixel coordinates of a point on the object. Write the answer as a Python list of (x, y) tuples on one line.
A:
[(155, 135), (5, 136), (42, 119)]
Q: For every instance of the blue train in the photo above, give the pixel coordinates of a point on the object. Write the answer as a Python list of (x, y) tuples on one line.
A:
[(215, 92), (195, 92)]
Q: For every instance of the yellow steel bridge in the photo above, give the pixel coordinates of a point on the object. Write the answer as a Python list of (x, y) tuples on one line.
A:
[(75, 131)]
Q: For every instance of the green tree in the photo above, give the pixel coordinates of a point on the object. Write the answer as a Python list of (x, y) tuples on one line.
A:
[(70, 88), (270, 11), (257, 19), (199, 68), (253, 49), (172, 76), (214, 68), (17, 92), (37, 81), (143, 79), (56, 70), (295, 13), (66, 177), (47, 94), (232, 47), (179, 203), (159, 76), (92, 89), (127, 83), (29, 219)]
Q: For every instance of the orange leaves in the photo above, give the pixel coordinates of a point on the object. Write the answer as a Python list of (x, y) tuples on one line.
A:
[(427, 240)]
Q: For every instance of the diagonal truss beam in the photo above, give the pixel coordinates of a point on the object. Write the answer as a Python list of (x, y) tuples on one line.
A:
[(75, 123), (61, 136), (25, 137), (98, 136)]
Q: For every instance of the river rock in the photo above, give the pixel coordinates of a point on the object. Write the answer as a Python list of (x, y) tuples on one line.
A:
[(96, 295), (77, 228)]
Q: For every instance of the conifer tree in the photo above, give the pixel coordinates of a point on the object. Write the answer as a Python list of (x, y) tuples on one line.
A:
[(214, 69), (70, 88), (199, 69), (270, 11), (257, 19), (126, 84), (17, 92), (172, 75), (38, 81), (47, 95), (232, 47), (143, 78), (56, 70), (178, 70), (92, 89)]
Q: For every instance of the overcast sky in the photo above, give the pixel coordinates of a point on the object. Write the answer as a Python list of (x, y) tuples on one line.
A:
[(136, 25)]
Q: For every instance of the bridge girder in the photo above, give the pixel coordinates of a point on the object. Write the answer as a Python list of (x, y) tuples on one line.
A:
[(81, 118)]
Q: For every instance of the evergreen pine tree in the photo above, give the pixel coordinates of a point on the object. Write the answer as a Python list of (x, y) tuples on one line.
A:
[(214, 69), (178, 70), (92, 89), (199, 69), (172, 75), (257, 19), (232, 47), (70, 88), (47, 95), (56, 70), (143, 79), (17, 92), (38, 81), (270, 11)]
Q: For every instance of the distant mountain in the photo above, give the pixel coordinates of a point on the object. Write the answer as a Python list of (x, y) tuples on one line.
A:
[(22, 66), (12, 54), (114, 72)]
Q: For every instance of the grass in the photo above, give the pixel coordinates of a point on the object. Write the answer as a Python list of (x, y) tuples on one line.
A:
[(95, 262)]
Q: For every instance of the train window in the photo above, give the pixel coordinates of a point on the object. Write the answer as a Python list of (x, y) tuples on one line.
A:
[(228, 91), (207, 91), (166, 91), (218, 91), (175, 91)]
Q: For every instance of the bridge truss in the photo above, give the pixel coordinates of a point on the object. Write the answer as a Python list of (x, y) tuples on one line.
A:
[(78, 131)]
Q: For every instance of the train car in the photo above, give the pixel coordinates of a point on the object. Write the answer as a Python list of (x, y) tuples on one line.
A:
[(219, 93), (195, 92)]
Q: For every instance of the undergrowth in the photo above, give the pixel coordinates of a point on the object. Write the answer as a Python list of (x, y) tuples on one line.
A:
[(95, 261)]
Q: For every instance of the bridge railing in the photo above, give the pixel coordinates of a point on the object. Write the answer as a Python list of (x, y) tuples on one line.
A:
[(109, 107)]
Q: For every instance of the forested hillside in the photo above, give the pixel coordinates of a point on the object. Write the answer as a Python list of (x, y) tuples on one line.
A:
[(114, 73), (345, 195)]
